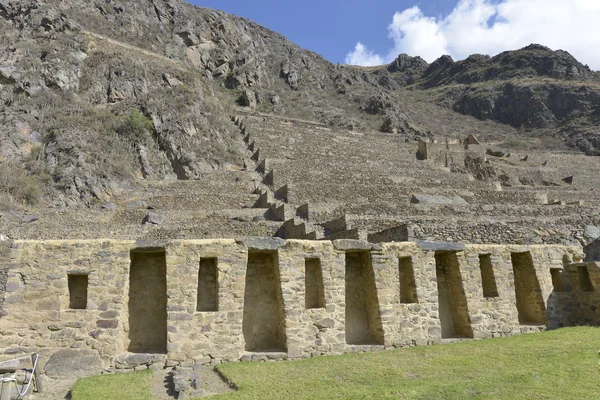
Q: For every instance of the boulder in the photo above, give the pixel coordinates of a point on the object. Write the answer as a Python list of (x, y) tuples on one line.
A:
[(29, 218), (110, 206), (154, 218), (498, 152), (249, 98), (591, 232), (73, 363)]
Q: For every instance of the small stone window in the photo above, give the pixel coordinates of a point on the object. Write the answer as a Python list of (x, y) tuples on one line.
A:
[(585, 283), (488, 280), (557, 283), (314, 292), (208, 286), (408, 285), (78, 288)]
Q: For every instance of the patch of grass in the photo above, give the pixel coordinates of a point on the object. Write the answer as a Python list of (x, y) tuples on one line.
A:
[(131, 386), (561, 364)]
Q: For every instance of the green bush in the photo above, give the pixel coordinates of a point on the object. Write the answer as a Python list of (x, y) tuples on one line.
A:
[(136, 127)]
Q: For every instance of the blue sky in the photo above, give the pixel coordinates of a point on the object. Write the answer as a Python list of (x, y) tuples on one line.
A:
[(375, 32), (329, 27)]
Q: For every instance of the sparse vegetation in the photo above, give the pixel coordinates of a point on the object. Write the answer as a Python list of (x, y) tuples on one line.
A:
[(17, 187)]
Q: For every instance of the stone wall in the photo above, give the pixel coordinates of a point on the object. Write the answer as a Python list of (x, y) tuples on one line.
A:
[(143, 304)]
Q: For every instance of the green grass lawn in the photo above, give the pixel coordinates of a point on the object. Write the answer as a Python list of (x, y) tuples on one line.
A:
[(131, 386), (561, 364)]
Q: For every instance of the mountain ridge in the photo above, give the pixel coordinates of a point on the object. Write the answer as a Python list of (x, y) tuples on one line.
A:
[(161, 106)]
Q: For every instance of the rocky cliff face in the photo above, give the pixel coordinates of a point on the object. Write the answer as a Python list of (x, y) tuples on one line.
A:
[(99, 94)]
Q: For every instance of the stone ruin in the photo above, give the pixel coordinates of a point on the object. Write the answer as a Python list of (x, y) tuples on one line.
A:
[(128, 304), (324, 243)]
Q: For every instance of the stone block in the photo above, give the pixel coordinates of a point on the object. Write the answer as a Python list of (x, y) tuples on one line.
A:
[(261, 243), (133, 360), (30, 218), (591, 232), (352, 244), (325, 323), (294, 352), (440, 246), (107, 323), (73, 363), (151, 244)]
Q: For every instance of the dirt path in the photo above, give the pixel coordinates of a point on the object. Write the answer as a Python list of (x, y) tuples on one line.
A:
[(173, 62)]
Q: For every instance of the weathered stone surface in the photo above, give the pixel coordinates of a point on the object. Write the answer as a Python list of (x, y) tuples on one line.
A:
[(261, 243), (325, 323), (73, 363), (440, 246), (249, 98), (497, 152), (154, 218), (10, 365), (151, 244), (110, 206), (438, 200), (107, 323), (351, 244), (591, 232), (311, 321), (133, 360), (592, 251), (30, 218)]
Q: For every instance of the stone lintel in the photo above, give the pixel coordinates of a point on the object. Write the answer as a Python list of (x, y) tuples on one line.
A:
[(440, 246), (151, 245), (354, 245), (261, 243), (78, 272)]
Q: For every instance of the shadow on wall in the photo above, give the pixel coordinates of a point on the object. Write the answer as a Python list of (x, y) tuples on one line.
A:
[(575, 298), (263, 322)]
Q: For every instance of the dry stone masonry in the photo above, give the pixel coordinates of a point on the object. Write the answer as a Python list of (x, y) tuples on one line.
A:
[(343, 245), (95, 305)]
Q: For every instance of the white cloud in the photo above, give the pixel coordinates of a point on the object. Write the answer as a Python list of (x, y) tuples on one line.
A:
[(362, 56), (492, 26)]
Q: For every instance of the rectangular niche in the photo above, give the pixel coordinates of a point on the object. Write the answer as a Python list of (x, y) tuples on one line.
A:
[(78, 290), (530, 303), (488, 280), (263, 323), (363, 319), (556, 274), (408, 285), (208, 286), (314, 292), (452, 301), (148, 302), (585, 283)]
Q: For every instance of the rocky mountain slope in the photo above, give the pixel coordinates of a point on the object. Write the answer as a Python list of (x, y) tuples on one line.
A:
[(99, 95)]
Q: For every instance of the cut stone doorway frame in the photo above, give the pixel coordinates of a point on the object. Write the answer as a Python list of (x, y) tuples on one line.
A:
[(263, 322), (530, 301), (452, 301), (147, 305), (362, 316)]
